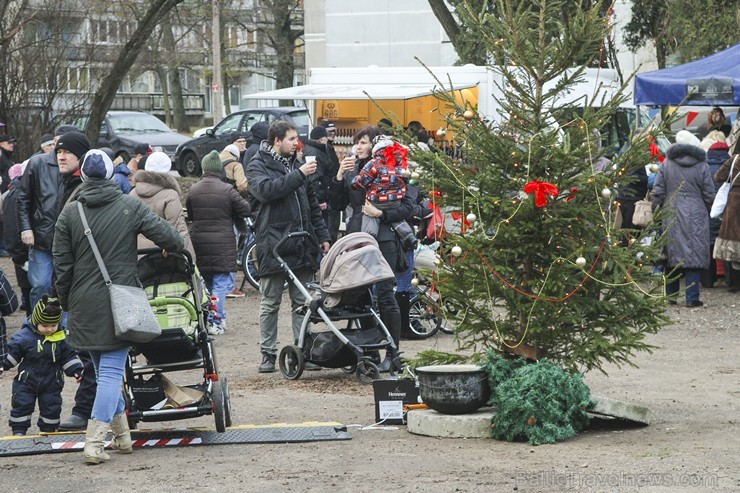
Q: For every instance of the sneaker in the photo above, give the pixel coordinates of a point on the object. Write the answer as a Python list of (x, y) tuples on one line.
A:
[(235, 294), (694, 304), (216, 329), (268, 363)]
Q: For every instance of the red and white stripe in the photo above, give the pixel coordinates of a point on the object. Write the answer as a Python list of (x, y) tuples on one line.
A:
[(164, 442)]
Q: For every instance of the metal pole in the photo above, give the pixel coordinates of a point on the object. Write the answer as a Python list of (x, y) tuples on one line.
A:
[(218, 100)]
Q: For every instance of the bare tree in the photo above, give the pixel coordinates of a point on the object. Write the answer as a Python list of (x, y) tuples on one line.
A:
[(281, 23), (103, 98)]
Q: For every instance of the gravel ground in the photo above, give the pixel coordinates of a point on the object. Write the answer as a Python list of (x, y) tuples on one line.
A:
[(691, 383)]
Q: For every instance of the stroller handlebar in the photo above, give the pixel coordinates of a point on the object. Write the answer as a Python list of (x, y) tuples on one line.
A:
[(285, 238), (147, 251)]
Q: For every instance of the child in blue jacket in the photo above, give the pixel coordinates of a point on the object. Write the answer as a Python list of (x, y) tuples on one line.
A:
[(42, 356)]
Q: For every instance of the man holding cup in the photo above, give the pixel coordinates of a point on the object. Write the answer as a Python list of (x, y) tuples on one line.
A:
[(286, 204)]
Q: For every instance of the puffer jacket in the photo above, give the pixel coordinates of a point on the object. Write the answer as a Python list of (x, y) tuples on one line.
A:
[(684, 186), (115, 220), (233, 173), (41, 359), (40, 189), (286, 205), (120, 176), (161, 193), (213, 206)]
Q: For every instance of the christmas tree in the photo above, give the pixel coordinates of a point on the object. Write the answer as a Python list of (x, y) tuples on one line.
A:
[(538, 260)]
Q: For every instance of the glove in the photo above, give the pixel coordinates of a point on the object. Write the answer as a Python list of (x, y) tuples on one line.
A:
[(78, 376)]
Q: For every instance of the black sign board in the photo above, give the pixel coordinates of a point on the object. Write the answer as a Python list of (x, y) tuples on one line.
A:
[(711, 89)]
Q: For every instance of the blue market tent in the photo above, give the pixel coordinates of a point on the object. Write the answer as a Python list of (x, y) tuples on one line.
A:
[(714, 80)]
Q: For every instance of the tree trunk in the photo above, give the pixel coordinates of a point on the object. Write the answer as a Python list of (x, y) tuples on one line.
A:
[(180, 119), (162, 74), (448, 21), (129, 53)]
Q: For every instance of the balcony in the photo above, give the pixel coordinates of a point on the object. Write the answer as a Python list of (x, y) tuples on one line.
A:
[(154, 103)]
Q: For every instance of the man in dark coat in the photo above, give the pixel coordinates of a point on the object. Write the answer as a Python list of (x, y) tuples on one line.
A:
[(259, 133), (286, 205), (7, 147), (213, 206), (318, 146), (38, 205)]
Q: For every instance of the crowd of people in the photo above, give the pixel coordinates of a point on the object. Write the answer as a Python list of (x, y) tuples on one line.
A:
[(287, 186)]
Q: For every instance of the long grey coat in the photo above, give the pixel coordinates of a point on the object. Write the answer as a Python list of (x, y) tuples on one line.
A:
[(684, 185)]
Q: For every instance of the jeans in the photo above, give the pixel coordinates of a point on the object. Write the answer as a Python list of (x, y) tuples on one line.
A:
[(40, 269), (218, 284), (271, 289), (403, 279), (692, 280), (109, 368)]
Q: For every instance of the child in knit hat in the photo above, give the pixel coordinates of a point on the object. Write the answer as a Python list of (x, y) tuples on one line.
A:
[(384, 186), (42, 355)]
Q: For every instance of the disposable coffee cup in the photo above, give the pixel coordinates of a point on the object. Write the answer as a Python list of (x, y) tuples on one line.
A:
[(310, 159)]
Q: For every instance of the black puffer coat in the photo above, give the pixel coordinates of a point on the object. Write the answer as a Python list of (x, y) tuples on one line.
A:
[(287, 205), (41, 186), (213, 205), (115, 220)]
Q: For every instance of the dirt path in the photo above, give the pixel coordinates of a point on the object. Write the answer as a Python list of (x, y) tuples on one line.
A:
[(691, 383)]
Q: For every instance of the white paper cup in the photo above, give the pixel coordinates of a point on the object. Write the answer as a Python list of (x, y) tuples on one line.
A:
[(310, 159)]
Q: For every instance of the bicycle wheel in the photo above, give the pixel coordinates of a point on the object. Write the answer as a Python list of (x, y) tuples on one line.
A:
[(249, 266), (424, 319)]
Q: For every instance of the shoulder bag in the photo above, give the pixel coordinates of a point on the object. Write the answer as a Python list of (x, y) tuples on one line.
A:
[(643, 214), (720, 200), (133, 318)]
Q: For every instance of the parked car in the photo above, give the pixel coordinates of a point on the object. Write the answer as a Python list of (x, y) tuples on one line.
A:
[(190, 153), (124, 130)]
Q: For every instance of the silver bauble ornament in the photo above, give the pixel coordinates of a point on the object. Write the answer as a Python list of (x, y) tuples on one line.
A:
[(441, 133), (606, 193), (654, 168), (456, 251), (581, 262), (471, 218)]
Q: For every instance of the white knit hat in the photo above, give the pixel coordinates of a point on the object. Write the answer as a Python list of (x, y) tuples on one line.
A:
[(158, 162), (381, 142), (234, 150), (687, 138), (96, 164)]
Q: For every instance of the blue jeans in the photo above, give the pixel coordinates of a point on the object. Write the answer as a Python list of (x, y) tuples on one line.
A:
[(692, 280), (271, 289), (109, 368), (403, 279), (40, 269), (218, 284)]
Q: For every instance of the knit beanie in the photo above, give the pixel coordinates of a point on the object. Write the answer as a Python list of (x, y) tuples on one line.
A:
[(381, 142), (158, 162), (47, 311), (211, 162), (74, 142), (687, 138), (96, 164)]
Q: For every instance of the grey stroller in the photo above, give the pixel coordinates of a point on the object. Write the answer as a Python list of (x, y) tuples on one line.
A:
[(348, 272)]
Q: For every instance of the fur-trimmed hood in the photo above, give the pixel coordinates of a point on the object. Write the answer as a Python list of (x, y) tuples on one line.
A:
[(148, 183), (686, 155)]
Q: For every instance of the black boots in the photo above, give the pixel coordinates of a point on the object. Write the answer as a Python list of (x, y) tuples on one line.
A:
[(403, 304), (392, 321)]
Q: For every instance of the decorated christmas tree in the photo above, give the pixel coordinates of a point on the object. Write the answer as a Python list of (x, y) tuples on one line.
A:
[(538, 260)]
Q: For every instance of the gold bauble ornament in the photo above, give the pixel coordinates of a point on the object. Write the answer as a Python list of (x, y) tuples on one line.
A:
[(415, 281), (441, 133), (654, 168), (581, 262), (606, 193), (468, 115)]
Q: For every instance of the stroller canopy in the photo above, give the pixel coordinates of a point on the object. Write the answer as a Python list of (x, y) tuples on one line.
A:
[(352, 262)]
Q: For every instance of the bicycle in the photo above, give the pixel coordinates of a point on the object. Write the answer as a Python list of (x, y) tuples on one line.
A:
[(246, 257)]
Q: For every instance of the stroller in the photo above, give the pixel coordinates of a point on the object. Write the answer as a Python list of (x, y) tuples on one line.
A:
[(352, 266), (180, 303)]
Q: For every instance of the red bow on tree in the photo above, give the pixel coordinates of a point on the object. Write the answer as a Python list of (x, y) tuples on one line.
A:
[(655, 152), (389, 154), (457, 216), (540, 189)]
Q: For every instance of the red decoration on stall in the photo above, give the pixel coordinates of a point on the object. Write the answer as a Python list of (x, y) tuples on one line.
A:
[(690, 117)]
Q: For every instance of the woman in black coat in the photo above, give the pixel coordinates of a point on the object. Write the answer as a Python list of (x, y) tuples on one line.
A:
[(343, 195)]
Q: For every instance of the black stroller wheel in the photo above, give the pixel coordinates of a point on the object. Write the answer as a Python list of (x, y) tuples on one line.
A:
[(292, 362), (367, 371), (219, 406), (227, 401)]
